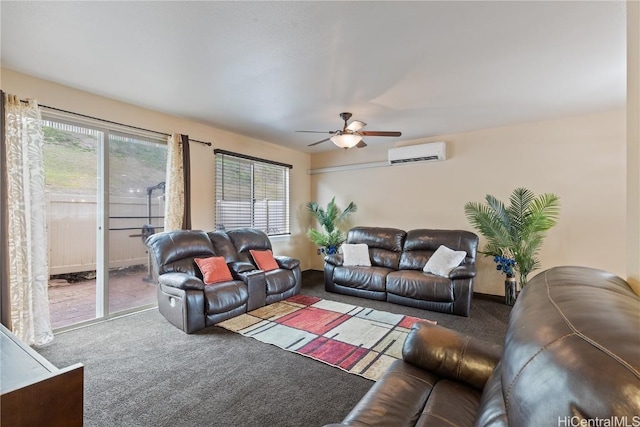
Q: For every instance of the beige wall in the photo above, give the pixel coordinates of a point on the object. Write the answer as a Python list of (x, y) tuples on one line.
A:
[(633, 144), (581, 159), (202, 157)]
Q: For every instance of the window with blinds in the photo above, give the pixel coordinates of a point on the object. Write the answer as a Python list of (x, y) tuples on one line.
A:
[(251, 192)]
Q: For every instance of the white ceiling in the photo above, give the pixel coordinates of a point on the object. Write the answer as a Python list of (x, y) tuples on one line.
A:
[(266, 69)]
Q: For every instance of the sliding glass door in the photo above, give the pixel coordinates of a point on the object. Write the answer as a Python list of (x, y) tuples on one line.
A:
[(105, 195), (136, 210), (71, 156)]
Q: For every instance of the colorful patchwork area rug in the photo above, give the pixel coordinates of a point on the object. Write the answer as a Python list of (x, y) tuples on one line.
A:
[(359, 340)]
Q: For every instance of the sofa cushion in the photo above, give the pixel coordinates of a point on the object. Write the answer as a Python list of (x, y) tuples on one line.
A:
[(450, 404), (356, 254), (420, 245), (174, 251), (264, 259), (443, 261), (385, 244), (369, 278), (214, 270), (420, 285), (279, 281), (244, 239), (223, 297), (222, 246), (397, 399)]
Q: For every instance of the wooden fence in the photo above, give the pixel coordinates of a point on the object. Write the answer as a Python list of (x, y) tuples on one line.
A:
[(73, 231)]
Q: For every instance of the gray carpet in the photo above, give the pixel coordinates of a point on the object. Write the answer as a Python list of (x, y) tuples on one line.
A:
[(142, 371)]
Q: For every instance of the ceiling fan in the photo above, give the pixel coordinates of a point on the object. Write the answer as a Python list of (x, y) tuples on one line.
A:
[(351, 134)]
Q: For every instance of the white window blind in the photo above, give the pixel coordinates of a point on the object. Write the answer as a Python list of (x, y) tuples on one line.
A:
[(251, 192)]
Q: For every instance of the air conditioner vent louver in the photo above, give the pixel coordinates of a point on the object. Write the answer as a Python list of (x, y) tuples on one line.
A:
[(418, 153), (415, 159)]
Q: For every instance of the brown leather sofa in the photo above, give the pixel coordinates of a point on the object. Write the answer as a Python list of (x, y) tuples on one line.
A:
[(571, 357), (189, 304), (397, 259)]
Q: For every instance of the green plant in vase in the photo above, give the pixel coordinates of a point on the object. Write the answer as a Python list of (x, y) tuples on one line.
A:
[(515, 232), (329, 237)]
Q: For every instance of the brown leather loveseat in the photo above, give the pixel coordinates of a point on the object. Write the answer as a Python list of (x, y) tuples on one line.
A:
[(396, 273), (571, 357), (190, 304)]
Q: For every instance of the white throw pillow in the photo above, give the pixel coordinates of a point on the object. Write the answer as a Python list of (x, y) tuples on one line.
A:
[(356, 254), (443, 261)]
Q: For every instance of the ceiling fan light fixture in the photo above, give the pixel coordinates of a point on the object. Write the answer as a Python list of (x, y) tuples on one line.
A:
[(356, 125), (346, 140)]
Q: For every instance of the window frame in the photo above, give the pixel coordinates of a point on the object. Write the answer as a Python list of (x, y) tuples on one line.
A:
[(246, 194)]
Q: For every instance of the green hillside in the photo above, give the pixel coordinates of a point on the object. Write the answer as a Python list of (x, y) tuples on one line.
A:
[(71, 162)]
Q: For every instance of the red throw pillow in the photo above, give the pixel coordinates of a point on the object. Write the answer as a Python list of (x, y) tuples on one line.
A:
[(214, 270), (264, 260)]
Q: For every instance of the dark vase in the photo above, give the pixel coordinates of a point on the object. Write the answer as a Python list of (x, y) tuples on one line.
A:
[(330, 250), (510, 290)]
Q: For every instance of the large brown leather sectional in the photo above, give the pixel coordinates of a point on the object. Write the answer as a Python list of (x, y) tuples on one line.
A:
[(189, 304), (571, 357), (397, 259)]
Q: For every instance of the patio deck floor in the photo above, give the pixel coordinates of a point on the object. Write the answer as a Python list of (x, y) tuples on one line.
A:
[(71, 303)]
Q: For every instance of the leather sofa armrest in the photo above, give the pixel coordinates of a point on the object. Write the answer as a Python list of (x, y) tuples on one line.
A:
[(463, 272), (181, 281), (238, 268), (451, 354), (286, 262), (334, 259)]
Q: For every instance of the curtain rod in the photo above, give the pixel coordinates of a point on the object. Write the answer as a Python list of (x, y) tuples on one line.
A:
[(112, 122), (255, 159)]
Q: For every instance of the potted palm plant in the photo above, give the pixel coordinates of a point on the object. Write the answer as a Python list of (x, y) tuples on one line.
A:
[(329, 237), (514, 233)]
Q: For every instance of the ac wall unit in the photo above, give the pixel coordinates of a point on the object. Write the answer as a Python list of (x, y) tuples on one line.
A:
[(418, 153)]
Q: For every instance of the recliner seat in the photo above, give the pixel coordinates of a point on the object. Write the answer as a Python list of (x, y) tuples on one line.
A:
[(281, 283), (188, 303)]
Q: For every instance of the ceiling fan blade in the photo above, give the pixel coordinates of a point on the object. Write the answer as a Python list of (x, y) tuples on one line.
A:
[(379, 133), (319, 142), (356, 125), (361, 144), (316, 131)]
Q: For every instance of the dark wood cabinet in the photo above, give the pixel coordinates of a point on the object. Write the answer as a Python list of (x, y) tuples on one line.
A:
[(34, 392)]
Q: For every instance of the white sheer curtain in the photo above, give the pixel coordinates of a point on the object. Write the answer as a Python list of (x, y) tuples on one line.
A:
[(174, 187), (27, 222)]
